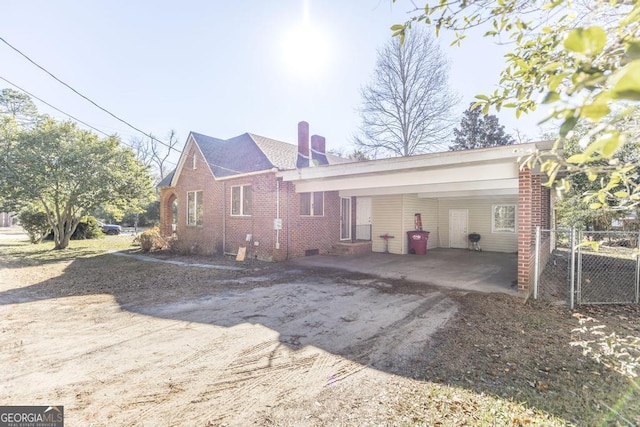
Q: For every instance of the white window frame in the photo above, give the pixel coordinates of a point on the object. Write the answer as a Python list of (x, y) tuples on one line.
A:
[(243, 207), (498, 228), (195, 213), (312, 204)]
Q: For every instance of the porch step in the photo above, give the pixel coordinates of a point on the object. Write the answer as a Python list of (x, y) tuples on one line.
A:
[(350, 248)]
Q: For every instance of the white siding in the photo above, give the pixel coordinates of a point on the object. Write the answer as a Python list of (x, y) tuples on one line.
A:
[(428, 209), (386, 218), (479, 222)]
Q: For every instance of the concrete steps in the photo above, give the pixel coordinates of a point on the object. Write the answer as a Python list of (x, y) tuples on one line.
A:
[(350, 248)]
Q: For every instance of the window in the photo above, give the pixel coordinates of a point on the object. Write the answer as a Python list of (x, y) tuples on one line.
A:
[(194, 208), (241, 200), (312, 204), (503, 219)]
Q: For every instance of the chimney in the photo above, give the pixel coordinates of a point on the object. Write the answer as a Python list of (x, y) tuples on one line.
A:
[(303, 145), (318, 154)]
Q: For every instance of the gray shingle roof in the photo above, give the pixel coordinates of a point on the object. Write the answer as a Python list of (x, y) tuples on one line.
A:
[(232, 156), (166, 181), (248, 153), (244, 154)]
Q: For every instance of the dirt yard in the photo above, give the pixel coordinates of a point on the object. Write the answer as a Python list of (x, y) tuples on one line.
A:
[(122, 341)]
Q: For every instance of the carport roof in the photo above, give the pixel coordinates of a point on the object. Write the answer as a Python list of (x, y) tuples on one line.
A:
[(479, 172)]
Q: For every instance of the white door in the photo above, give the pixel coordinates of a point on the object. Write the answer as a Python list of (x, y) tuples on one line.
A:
[(458, 236), (345, 218), (363, 218)]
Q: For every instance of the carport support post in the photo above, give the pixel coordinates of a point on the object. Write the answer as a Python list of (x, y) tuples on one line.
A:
[(536, 265)]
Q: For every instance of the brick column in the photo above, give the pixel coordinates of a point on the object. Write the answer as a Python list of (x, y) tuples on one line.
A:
[(167, 197), (530, 215)]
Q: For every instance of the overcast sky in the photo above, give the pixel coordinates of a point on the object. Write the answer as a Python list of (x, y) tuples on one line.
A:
[(220, 68)]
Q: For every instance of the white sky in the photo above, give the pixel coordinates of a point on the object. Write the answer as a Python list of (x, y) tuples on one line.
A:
[(219, 67)]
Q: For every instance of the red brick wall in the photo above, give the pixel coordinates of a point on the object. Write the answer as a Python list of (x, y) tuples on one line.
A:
[(533, 210), (312, 232), (167, 197), (259, 224), (205, 239), (223, 232)]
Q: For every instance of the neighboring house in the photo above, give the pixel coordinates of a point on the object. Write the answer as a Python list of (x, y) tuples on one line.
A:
[(297, 201), (5, 219)]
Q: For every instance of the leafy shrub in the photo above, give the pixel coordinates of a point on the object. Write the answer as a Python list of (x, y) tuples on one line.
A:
[(151, 240), (88, 228), (35, 223)]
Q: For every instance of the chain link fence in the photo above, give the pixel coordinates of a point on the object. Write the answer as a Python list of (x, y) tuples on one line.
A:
[(587, 267)]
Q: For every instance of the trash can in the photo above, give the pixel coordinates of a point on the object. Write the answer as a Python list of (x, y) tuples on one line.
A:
[(418, 242)]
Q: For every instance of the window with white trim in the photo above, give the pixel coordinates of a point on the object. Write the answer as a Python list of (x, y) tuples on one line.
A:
[(312, 204), (241, 200), (503, 219), (194, 208)]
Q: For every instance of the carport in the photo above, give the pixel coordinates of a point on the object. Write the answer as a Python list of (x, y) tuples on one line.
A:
[(449, 268), (480, 191)]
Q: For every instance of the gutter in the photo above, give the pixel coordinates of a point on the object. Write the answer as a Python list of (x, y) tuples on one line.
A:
[(243, 175)]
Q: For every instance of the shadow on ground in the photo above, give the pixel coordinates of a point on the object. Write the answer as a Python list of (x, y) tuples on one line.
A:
[(496, 345)]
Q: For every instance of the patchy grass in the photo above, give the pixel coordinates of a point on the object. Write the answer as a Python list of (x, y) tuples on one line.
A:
[(498, 362), (539, 355), (438, 404), (43, 253)]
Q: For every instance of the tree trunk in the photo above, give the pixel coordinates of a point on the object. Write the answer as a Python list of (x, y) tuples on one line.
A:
[(63, 241), (62, 233)]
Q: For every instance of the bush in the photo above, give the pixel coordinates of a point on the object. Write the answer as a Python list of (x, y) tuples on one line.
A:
[(88, 228), (35, 223), (151, 240)]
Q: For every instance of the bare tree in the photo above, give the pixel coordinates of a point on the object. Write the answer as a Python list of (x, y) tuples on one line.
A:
[(155, 154), (406, 108)]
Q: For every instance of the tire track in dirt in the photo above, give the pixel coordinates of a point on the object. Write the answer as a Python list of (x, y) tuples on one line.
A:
[(382, 350)]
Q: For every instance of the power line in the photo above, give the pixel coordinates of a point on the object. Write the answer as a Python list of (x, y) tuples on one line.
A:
[(55, 108), (67, 114), (86, 98), (92, 102)]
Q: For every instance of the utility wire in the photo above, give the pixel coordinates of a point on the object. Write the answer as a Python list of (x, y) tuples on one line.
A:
[(92, 102), (55, 108), (83, 96), (69, 115)]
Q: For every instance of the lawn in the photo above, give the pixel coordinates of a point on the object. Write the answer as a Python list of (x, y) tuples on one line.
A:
[(497, 361)]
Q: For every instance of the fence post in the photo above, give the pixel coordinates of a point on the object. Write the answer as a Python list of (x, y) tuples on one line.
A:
[(637, 267), (579, 265), (536, 265), (572, 266)]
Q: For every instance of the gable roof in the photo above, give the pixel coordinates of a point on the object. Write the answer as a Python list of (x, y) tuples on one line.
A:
[(233, 156), (246, 153)]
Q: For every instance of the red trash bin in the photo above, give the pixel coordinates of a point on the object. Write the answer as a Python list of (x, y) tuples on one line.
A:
[(418, 242)]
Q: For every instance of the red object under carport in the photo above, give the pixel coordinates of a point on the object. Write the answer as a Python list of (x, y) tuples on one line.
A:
[(418, 242)]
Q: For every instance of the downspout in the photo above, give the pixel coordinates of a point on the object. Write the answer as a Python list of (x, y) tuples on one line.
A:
[(288, 223), (224, 217), (278, 213)]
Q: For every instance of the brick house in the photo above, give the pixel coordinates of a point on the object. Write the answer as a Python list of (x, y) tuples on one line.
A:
[(225, 194), (296, 200)]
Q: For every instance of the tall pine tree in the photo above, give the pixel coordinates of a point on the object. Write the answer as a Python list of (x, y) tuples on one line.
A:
[(479, 130)]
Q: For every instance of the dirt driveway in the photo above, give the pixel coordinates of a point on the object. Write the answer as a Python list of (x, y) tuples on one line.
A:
[(282, 347)]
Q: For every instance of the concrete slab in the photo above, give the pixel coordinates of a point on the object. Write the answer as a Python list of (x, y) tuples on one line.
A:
[(450, 268)]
